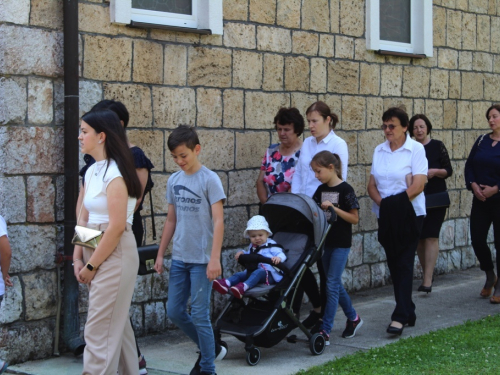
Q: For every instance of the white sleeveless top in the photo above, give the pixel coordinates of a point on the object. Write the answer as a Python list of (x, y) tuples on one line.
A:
[(97, 179)]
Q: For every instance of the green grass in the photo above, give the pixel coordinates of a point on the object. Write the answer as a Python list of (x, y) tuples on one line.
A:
[(471, 348)]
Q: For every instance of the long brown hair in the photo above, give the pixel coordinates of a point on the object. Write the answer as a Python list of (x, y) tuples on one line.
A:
[(324, 111), (325, 159)]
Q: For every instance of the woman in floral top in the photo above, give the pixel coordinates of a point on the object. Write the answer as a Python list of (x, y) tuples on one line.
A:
[(278, 164)]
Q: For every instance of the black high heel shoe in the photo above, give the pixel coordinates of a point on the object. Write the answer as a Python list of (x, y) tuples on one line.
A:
[(426, 289), (395, 330)]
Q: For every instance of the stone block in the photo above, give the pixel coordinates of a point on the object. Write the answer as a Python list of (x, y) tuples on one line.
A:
[(367, 141), (16, 12), (27, 341), (209, 67), (326, 45), (374, 111), (247, 69), (464, 115), (468, 257), (347, 280), (247, 145), (175, 36), (318, 75), (148, 62), (142, 289), (262, 11), (361, 277), (458, 150), (482, 61), (439, 25), (465, 203), (391, 80), (454, 209), (296, 73), (364, 55), (156, 314), (439, 84), (469, 31), (472, 86), (344, 47), (235, 221), (434, 111), (33, 246), (495, 33), (273, 72), (136, 314), (415, 81), (41, 198), (13, 106), (301, 101), (351, 139), (479, 6), (41, 301), (343, 77), (11, 308), (455, 86), (240, 190), (305, 43), (357, 176), (461, 232), (380, 274), (137, 99), (418, 106), (450, 114), (151, 142), (496, 64), (491, 87), (211, 40), (404, 103), (209, 103), (465, 60), (274, 39), (478, 116), (334, 102), (47, 14), (31, 150), (59, 182), (462, 4), (373, 251), (314, 16), (454, 29), (260, 108), (40, 103), (334, 16), (483, 33), (356, 254), (173, 106), (90, 94), (353, 113), (235, 10), (160, 282), (367, 219), (100, 62), (159, 224), (174, 69), (159, 199), (13, 199), (447, 58), (288, 13), (447, 235), (31, 51), (217, 149), (352, 18), (233, 109), (369, 80), (239, 35)]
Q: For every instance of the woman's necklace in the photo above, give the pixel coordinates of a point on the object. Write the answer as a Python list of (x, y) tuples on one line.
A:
[(100, 169)]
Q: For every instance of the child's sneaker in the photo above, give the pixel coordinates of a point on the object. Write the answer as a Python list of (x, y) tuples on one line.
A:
[(351, 327), (238, 290), (326, 336), (220, 286), (142, 366)]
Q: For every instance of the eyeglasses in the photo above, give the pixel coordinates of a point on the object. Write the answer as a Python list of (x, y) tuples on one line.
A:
[(391, 127)]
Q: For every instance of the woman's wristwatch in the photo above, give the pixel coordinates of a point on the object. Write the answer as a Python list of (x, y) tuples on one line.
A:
[(91, 267)]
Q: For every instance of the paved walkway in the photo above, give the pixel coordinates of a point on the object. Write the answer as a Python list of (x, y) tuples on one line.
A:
[(454, 299)]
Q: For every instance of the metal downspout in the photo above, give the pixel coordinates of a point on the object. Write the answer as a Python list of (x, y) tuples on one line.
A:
[(71, 330)]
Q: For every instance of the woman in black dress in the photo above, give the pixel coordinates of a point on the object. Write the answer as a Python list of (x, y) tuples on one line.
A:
[(439, 169)]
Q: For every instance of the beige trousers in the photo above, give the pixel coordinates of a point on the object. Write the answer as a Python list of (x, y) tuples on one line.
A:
[(108, 332)]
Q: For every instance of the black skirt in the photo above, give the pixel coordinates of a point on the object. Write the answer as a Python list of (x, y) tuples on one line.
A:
[(433, 222)]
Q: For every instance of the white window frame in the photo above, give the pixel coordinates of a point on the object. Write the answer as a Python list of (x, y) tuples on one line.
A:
[(207, 15), (421, 30)]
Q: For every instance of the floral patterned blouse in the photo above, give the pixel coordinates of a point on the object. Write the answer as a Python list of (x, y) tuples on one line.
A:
[(278, 169)]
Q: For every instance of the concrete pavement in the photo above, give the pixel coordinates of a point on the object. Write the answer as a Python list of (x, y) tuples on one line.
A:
[(454, 299)]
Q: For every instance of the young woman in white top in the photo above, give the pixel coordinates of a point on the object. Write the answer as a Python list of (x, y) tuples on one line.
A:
[(111, 190)]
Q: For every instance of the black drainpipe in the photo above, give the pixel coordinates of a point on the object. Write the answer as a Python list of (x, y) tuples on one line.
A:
[(71, 330)]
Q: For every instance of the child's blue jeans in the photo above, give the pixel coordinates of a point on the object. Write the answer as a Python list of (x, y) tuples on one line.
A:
[(190, 279), (256, 277)]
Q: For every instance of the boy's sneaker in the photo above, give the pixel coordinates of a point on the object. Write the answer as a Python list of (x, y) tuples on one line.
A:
[(238, 290), (312, 319), (3, 366), (220, 286), (220, 353), (351, 327), (326, 336), (142, 366)]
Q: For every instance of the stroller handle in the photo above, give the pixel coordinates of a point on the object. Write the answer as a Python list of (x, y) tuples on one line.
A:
[(333, 216), (247, 259)]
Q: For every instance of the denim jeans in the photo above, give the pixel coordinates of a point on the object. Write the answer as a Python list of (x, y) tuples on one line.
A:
[(256, 277), (334, 262), (190, 279)]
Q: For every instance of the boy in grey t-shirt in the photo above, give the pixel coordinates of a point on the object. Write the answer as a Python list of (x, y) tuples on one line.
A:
[(195, 220)]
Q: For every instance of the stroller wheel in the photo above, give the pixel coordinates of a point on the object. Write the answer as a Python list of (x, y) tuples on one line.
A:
[(224, 344), (253, 356), (317, 344)]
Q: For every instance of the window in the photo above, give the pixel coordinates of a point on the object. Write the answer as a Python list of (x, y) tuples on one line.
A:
[(201, 16), (399, 26)]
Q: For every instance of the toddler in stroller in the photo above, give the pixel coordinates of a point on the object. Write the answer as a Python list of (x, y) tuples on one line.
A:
[(256, 273)]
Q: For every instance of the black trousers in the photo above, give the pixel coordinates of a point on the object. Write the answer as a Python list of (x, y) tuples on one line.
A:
[(401, 269), (482, 215), (309, 285)]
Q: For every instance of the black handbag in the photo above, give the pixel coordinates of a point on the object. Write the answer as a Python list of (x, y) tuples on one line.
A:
[(148, 253), (437, 200)]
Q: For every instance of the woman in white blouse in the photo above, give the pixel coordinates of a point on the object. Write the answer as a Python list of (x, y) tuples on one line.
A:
[(397, 180), (110, 193)]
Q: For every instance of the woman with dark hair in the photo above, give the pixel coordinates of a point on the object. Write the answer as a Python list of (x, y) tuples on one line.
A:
[(482, 176), (278, 164), (111, 191), (439, 169), (397, 180)]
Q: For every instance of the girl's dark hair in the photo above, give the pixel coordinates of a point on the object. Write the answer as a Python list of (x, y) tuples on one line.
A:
[(399, 113), (183, 135), (420, 117), (287, 116), (115, 106), (325, 159), (116, 146), (324, 111), (494, 106)]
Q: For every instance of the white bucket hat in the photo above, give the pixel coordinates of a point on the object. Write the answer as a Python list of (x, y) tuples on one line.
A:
[(257, 222)]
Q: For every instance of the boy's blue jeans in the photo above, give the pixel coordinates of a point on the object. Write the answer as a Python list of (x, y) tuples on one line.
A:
[(190, 279), (256, 277), (334, 262)]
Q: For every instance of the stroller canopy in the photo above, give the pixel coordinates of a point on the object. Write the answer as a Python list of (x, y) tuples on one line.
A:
[(297, 213)]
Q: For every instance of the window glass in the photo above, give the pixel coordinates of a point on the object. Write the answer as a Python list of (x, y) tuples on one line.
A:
[(170, 6), (395, 20)]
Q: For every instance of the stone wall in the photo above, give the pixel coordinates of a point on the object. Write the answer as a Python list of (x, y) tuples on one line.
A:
[(273, 53)]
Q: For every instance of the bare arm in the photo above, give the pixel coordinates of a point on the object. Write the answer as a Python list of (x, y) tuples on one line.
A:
[(214, 269), (373, 191), (166, 237), (142, 173), (417, 186), (261, 188), (78, 251), (433, 172), (5, 257)]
